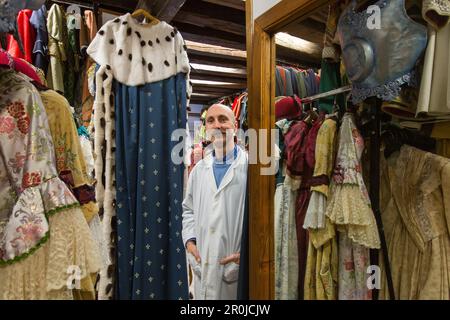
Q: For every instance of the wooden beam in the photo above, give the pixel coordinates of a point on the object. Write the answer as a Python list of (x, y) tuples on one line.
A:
[(120, 5), (236, 4), (218, 71), (297, 57), (211, 33), (200, 76), (215, 11), (299, 45), (166, 10), (321, 15), (216, 61), (212, 40), (205, 95), (262, 116), (146, 5), (307, 30), (285, 12), (262, 187), (216, 51), (202, 89), (199, 101), (215, 84), (225, 77), (202, 20)]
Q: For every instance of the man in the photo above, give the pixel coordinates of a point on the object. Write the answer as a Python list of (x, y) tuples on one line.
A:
[(213, 210)]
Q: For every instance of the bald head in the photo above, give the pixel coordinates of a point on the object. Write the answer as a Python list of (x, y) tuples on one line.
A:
[(221, 108)]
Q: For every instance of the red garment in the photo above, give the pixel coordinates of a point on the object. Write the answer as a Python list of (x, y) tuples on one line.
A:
[(295, 160), (235, 104), (19, 65), (27, 35), (310, 152), (307, 157), (288, 108)]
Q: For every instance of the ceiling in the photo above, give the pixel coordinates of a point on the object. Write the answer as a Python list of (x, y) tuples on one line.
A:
[(310, 33), (215, 35)]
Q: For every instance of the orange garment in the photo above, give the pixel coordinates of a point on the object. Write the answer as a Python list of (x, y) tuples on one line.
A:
[(87, 99)]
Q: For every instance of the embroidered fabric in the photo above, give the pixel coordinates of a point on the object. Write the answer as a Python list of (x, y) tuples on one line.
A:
[(386, 92), (45, 274), (27, 226), (353, 263)]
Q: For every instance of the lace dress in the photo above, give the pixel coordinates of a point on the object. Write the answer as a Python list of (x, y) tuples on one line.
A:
[(43, 233), (349, 209)]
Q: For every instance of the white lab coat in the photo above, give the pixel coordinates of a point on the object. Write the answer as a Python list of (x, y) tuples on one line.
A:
[(214, 216)]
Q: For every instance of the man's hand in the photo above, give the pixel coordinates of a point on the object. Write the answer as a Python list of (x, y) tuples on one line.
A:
[(235, 257), (192, 249)]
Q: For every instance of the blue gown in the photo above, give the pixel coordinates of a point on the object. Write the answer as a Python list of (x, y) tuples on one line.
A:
[(150, 254)]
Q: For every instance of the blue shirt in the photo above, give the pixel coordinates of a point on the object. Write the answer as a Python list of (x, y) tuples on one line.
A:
[(220, 167)]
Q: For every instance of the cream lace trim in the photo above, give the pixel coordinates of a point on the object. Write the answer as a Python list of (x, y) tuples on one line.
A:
[(348, 210), (44, 274)]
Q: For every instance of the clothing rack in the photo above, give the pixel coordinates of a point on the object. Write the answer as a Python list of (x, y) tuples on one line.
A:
[(77, 3), (228, 96), (94, 6), (375, 152), (283, 63), (375, 145)]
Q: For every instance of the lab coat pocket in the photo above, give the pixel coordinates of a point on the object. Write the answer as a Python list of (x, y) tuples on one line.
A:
[(231, 272), (196, 266)]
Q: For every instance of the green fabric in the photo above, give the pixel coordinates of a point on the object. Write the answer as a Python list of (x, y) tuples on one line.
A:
[(301, 84), (330, 79)]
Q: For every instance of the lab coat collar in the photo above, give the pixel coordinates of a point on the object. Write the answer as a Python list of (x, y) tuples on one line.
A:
[(240, 160)]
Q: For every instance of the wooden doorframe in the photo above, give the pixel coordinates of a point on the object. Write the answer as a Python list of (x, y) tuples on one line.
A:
[(261, 115)]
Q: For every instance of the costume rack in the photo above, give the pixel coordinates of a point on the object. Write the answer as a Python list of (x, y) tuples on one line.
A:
[(374, 184)]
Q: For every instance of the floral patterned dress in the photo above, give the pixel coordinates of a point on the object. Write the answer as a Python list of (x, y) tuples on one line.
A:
[(349, 209), (42, 229)]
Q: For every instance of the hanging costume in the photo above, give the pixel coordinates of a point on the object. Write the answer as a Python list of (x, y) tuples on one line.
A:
[(415, 207), (42, 230), (349, 209), (150, 66)]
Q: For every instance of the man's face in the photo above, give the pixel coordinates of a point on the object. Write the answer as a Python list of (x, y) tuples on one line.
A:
[(219, 121)]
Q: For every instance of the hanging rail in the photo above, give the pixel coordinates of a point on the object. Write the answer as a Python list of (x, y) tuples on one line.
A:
[(327, 94)]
